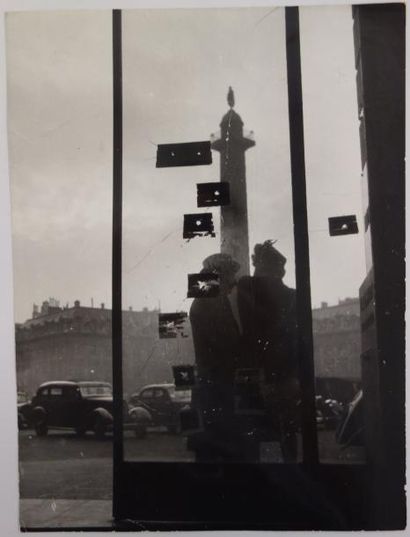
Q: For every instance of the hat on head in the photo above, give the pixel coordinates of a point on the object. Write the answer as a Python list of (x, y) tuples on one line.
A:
[(266, 254), (221, 263)]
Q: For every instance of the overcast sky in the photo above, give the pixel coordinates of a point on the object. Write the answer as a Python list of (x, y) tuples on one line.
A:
[(177, 68)]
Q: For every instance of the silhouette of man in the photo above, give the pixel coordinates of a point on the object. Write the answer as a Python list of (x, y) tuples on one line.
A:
[(216, 338), (267, 309)]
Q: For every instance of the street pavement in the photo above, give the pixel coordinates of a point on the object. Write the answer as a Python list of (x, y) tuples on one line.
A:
[(66, 481), (67, 514), (61, 465)]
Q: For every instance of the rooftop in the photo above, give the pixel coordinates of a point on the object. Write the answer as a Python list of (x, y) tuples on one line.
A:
[(80, 319)]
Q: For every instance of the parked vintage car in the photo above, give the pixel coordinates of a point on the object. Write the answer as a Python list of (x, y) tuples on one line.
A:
[(23, 410), (159, 405), (81, 406)]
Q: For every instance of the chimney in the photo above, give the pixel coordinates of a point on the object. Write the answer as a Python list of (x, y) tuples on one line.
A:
[(77, 304), (35, 311), (54, 303), (44, 307), (102, 305), (323, 305), (130, 308)]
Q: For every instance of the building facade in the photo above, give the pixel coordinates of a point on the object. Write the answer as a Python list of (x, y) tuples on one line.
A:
[(337, 340), (75, 343)]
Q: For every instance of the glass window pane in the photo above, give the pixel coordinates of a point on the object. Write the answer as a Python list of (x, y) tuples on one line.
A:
[(334, 189), (201, 306)]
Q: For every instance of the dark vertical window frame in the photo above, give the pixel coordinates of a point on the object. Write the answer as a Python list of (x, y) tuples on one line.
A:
[(118, 448), (300, 223)]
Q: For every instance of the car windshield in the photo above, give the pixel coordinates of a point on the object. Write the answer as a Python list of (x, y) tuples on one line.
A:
[(180, 396), (22, 398), (96, 390)]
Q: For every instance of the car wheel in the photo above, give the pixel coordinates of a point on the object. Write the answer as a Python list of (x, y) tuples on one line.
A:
[(41, 427), (80, 431), (174, 428), (99, 427), (190, 443), (140, 431)]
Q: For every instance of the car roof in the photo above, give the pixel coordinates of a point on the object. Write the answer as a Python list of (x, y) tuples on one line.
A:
[(58, 383), (93, 383), (165, 385), (73, 383)]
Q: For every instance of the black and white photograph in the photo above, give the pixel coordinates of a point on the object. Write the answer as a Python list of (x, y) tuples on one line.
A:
[(208, 265)]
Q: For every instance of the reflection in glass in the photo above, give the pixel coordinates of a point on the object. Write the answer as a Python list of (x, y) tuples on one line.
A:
[(211, 377)]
